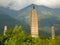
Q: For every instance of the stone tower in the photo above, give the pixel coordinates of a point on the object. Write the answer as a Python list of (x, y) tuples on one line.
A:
[(53, 31), (34, 23), (5, 29)]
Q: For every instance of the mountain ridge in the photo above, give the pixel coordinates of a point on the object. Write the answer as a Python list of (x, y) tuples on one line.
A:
[(47, 16), (41, 6)]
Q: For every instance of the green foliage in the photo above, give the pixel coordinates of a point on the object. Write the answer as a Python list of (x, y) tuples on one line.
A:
[(17, 36)]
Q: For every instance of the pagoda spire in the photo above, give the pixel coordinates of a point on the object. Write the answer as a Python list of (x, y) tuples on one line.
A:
[(53, 31), (33, 6), (34, 22), (5, 29)]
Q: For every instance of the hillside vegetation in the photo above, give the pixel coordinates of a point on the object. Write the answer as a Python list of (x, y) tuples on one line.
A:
[(17, 36)]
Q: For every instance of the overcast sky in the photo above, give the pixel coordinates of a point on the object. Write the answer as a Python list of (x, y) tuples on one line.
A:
[(19, 4)]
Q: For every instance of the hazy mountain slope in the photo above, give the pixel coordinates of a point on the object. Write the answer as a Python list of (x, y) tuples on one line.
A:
[(10, 22), (6, 20), (47, 17)]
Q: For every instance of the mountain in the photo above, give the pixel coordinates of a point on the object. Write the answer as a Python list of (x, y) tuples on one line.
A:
[(6, 20), (47, 17), (10, 22)]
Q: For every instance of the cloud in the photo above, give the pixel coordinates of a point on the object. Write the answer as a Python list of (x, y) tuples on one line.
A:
[(49, 3), (19, 4), (15, 4)]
